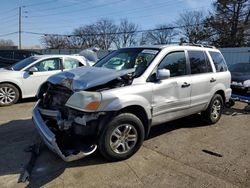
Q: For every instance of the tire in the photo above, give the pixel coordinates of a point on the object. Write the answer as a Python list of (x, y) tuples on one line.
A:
[(9, 94), (121, 137), (213, 112)]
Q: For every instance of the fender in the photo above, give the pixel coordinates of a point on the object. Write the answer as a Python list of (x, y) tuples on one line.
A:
[(117, 104)]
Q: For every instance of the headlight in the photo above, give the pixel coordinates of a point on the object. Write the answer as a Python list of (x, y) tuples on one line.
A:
[(86, 101), (246, 83)]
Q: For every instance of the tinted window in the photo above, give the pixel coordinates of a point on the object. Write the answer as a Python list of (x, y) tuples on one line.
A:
[(175, 62), (21, 55), (219, 63), (240, 68), (7, 55), (199, 62), (48, 65), (70, 63)]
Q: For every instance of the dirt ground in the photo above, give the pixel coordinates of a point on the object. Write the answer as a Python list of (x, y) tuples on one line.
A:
[(183, 153)]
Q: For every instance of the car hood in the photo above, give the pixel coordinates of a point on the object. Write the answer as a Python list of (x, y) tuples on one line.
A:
[(86, 77), (240, 77)]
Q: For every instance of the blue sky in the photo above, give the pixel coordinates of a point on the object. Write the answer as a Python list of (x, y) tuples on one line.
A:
[(62, 16)]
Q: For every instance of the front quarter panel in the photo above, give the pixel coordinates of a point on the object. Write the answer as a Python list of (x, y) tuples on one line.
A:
[(119, 98)]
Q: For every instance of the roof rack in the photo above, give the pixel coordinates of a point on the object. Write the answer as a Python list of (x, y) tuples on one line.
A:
[(199, 45)]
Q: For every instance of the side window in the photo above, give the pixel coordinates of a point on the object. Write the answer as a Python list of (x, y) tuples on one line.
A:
[(70, 63), (219, 63), (199, 62), (175, 62), (48, 65)]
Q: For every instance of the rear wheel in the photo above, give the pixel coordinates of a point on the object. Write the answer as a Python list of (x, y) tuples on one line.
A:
[(214, 110), (9, 94), (122, 137)]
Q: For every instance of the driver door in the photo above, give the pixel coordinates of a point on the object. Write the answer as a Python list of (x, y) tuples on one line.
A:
[(41, 71), (171, 96)]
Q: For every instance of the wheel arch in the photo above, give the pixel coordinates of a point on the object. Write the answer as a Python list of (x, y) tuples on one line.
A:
[(141, 113), (16, 85), (222, 93)]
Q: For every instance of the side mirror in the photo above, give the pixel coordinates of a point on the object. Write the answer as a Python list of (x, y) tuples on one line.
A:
[(32, 69), (163, 74)]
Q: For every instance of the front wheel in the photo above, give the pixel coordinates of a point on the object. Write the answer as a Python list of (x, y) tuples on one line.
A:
[(214, 110), (122, 137), (9, 94)]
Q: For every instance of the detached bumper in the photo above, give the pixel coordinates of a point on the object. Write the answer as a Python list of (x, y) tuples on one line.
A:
[(50, 138)]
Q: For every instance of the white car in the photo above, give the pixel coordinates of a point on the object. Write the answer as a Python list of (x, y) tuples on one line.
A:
[(23, 79)]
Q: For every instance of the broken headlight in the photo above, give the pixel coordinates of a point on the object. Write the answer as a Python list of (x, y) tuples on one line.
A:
[(85, 101)]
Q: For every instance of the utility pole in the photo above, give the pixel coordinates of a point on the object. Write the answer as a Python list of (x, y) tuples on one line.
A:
[(20, 31)]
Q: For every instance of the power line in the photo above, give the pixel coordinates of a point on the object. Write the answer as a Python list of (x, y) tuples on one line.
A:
[(112, 33), (8, 11), (131, 11), (7, 34), (79, 10), (61, 7), (38, 4)]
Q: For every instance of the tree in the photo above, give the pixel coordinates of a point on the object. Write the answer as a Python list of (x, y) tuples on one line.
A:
[(162, 34), (54, 41), (106, 33), (230, 23), (6, 43), (192, 28), (84, 37), (126, 34)]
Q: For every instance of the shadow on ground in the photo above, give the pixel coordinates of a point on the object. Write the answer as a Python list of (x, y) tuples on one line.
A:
[(19, 134), (236, 111), (33, 99)]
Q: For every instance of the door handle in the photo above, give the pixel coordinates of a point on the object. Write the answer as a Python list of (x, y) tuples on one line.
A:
[(212, 80), (185, 84)]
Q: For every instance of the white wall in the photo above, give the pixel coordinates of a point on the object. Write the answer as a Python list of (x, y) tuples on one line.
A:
[(236, 55)]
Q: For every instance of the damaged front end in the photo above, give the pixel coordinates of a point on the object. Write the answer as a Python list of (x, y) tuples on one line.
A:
[(68, 132), (67, 118)]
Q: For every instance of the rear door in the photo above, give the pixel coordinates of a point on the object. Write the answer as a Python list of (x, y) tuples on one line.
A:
[(202, 78), (171, 97)]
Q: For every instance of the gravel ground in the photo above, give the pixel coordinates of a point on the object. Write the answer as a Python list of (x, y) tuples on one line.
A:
[(183, 153)]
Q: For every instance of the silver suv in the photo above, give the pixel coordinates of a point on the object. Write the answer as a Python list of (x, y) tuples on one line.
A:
[(113, 104)]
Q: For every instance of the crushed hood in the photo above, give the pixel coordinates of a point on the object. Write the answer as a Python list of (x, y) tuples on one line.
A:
[(86, 77)]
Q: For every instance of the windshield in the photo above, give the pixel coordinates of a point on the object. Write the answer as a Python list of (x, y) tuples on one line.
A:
[(129, 58), (25, 62), (240, 67)]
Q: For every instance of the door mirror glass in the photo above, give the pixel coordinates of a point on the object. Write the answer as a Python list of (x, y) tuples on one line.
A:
[(163, 74), (33, 69)]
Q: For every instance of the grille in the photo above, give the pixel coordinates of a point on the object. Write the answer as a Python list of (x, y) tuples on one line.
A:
[(56, 97)]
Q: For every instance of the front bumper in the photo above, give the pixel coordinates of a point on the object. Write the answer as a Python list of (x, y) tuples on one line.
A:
[(50, 138)]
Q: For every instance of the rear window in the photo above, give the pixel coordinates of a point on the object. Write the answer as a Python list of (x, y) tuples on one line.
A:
[(199, 62), (219, 62)]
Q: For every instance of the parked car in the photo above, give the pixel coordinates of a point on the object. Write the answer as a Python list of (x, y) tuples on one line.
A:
[(9, 57), (240, 78), (23, 79), (113, 104)]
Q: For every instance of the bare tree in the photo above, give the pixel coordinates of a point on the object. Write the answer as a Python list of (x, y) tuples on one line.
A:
[(126, 34), (162, 34), (106, 33), (55, 41), (6, 43), (84, 37), (192, 28)]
